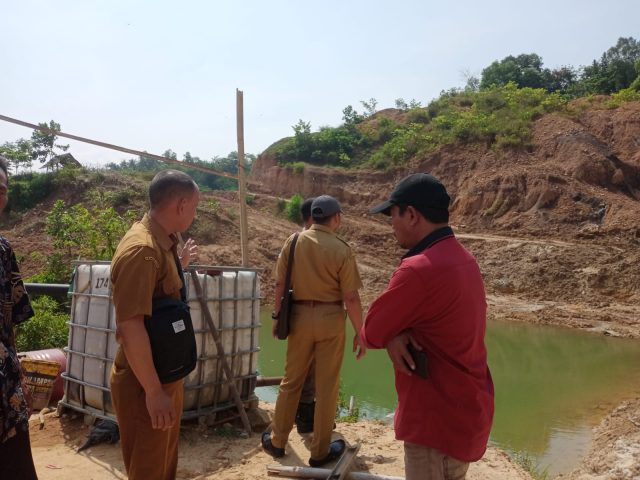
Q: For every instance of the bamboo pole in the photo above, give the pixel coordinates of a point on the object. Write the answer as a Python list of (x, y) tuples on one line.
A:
[(268, 381), (193, 166), (242, 188), (322, 473), (221, 353)]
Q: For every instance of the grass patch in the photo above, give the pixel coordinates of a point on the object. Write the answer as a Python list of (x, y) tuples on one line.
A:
[(530, 465)]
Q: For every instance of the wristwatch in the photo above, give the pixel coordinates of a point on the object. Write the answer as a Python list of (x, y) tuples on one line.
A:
[(274, 315)]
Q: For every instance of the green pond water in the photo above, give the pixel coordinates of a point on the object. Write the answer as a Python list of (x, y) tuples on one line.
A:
[(553, 386)]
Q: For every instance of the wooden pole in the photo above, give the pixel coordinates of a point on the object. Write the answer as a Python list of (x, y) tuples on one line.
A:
[(321, 473), (221, 353), (242, 186)]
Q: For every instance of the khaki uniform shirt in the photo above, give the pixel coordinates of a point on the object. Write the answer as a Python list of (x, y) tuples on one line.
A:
[(324, 267), (143, 268)]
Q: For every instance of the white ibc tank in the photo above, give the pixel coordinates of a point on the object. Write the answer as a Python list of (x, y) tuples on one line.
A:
[(233, 300), (92, 342)]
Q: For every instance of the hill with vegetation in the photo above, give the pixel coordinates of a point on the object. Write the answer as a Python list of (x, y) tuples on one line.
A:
[(524, 147), (545, 187)]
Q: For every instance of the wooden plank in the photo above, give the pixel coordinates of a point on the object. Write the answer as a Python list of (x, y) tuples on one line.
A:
[(341, 468), (321, 473)]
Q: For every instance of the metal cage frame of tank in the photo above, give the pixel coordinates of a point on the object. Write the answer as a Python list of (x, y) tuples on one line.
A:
[(245, 384)]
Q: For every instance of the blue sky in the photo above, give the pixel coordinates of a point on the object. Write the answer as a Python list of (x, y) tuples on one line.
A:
[(152, 75)]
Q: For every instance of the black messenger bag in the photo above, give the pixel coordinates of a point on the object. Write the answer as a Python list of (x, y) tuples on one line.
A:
[(286, 305), (171, 335)]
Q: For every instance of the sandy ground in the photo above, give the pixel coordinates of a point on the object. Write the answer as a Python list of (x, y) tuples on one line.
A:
[(222, 452)]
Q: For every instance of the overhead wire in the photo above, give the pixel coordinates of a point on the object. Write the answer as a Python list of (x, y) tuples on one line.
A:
[(193, 166)]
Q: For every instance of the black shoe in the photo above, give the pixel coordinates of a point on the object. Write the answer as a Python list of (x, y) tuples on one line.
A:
[(268, 447), (336, 449)]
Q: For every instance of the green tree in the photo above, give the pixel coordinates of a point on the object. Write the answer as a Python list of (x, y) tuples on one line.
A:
[(303, 140), (350, 116), (44, 143), (404, 106), (525, 70), (93, 235), (635, 85), (370, 106), (561, 79), (18, 153), (401, 104), (615, 70), (170, 154)]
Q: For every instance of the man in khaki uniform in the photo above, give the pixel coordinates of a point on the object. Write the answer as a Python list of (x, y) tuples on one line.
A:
[(143, 268), (307, 405), (324, 278)]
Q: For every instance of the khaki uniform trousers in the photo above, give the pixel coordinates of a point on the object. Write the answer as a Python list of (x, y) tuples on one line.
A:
[(318, 333), (424, 463), (147, 453)]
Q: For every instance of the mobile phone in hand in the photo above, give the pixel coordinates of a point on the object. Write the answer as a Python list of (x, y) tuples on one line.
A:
[(419, 359)]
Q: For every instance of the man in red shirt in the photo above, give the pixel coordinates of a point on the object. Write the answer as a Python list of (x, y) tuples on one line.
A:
[(434, 305)]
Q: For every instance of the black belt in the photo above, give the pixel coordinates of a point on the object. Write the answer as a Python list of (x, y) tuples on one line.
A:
[(314, 303)]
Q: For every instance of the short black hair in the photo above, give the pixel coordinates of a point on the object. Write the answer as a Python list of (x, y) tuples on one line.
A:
[(169, 184), (305, 209), (434, 215), (4, 165)]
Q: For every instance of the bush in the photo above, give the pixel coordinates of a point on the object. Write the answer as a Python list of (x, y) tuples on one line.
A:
[(213, 204), (297, 167), (57, 268), (292, 209), (623, 96), (93, 235), (47, 329), (328, 146), (406, 141), (67, 175), (27, 190)]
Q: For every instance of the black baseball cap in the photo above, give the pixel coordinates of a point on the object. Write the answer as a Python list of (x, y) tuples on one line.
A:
[(324, 206), (420, 190)]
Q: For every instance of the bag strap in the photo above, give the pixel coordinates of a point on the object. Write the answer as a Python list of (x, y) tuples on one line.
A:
[(292, 251), (183, 290)]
